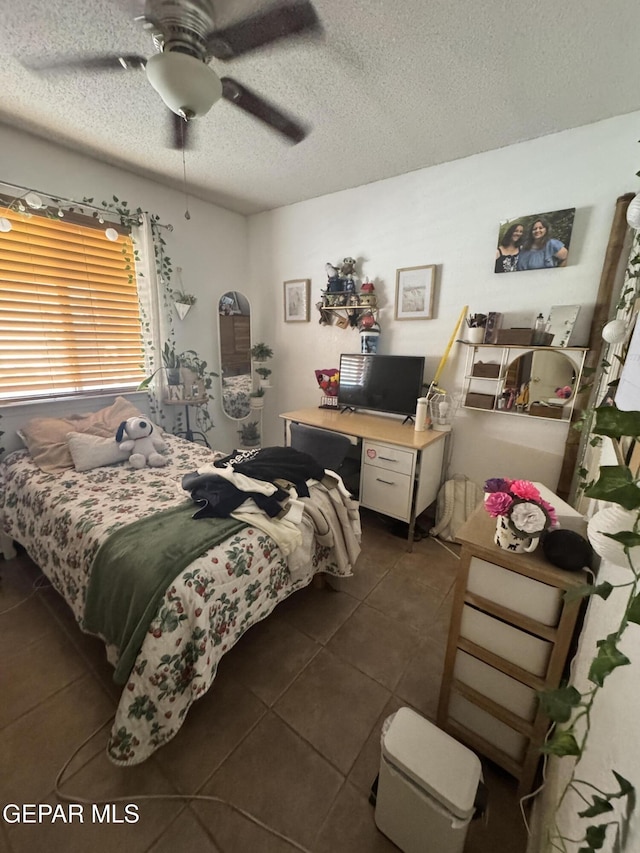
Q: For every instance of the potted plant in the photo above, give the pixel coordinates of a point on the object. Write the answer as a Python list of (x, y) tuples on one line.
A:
[(261, 352), (249, 434), (182, 302), (171, 363), (264, 373), (256, 398)]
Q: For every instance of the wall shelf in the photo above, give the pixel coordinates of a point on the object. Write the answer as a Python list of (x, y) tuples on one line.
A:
[(522, 384)]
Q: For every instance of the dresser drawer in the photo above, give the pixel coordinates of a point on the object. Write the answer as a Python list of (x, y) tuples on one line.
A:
[(386, 491), (388, 456), (514, 645), (532, 598), (494, 731), (495, 685)]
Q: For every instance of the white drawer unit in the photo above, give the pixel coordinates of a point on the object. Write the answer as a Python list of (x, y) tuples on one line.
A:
[(540, 601), (513, 645), (495, 685), (489, 728), (510, 634), (387, 478), (389, 457)]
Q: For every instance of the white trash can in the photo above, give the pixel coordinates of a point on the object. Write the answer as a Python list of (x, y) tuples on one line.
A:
[(426, 787)]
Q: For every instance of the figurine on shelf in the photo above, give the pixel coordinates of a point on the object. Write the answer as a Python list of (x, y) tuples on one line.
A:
[(367, 286), (333, 274), (347, 274)]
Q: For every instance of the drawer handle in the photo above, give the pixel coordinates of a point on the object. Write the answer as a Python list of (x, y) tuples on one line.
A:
[(387, 458), (386, 482)]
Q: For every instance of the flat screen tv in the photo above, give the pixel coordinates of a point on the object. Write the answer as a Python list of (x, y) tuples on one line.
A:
[(381, 383)]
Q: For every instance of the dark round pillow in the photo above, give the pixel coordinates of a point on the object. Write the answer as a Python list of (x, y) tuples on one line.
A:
[(566, 549)]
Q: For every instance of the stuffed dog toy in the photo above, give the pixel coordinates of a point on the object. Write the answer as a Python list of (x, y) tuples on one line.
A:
[(142, 442)]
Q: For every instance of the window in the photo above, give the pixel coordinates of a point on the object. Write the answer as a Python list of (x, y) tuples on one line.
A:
[(69, 311)]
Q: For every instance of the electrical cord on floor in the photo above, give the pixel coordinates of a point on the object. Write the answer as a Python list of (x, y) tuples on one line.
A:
[(39, 583), (446, 547), (140, 797)]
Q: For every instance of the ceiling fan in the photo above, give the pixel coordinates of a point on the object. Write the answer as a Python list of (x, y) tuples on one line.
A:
[(186, 40)]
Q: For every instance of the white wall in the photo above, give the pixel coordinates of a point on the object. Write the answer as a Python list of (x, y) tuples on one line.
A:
[(613, 742), (446, 215), (211, 249)]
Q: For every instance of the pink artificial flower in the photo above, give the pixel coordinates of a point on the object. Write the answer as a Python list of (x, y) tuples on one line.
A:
[(525, 490), (553, 518), (498, 503)]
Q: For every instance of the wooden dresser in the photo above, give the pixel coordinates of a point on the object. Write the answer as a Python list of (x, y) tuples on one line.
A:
[(510, 635)]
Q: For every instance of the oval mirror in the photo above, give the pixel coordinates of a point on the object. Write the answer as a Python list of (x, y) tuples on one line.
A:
[(542, 383), (234, 334)]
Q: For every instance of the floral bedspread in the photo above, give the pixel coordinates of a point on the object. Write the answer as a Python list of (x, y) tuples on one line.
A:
[(61, 520), (235, 393)]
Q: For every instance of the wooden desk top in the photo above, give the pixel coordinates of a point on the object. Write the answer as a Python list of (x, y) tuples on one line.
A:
[(477, 533), (372, 427)]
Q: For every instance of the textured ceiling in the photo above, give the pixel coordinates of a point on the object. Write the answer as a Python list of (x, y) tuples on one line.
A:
[(392, 87)]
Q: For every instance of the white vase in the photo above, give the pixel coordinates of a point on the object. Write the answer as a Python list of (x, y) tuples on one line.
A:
[(613, 519), (256, 402), (475, 334), (505, 538)]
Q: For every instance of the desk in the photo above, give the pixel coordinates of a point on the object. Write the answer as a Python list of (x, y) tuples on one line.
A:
[(188, 433), (400, 469)]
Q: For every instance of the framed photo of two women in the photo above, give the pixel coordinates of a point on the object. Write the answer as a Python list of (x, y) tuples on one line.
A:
[(537, 241)]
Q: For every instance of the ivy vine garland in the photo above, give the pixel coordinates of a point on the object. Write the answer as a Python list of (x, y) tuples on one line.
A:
[(164, 269), (567, 708)]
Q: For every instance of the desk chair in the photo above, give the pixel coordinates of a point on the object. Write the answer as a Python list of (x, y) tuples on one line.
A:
[(327, 448)]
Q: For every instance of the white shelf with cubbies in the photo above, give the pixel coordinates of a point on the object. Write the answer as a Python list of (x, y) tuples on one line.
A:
[(525, 380)]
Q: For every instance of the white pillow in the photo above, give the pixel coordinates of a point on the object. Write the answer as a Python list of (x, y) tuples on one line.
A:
[(93, 451)]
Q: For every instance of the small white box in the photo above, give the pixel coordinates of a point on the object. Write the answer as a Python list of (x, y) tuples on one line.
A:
[(426, 788)]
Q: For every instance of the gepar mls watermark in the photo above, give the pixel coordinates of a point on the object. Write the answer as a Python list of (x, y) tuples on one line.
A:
[(108, 813)]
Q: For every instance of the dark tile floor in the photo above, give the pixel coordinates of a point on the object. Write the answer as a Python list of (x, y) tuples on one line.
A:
[(289, 732)]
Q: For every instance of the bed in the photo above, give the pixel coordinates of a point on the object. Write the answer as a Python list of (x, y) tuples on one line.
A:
[(63, 518)]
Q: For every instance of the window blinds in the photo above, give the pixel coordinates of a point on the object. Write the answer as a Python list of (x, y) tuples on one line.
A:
[(69, 311)]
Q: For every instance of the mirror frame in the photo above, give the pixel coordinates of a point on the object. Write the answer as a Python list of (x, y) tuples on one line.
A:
[(520, 376), (236, 383)]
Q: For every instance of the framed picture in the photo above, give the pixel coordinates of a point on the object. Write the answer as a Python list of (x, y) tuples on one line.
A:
[(537, 241), (414, 293), (296, 300)]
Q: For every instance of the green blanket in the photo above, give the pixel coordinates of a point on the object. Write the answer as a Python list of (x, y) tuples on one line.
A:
[(134, 567)]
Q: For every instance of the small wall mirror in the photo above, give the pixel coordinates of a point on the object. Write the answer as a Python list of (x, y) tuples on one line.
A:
[(542, 383), (234, 333)]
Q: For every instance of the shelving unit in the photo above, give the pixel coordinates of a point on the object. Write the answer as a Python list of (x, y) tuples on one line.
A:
[(510, 635), (488, 374), (349, 303)]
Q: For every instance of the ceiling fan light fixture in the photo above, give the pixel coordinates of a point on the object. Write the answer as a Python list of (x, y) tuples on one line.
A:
[(186, 85)]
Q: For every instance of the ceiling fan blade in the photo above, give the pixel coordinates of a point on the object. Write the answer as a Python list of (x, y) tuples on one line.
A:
[(180, 135), (263, 28), (108, 62), (257, 106)]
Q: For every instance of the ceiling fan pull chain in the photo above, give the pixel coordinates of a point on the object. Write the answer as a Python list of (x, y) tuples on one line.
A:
[(187, 215)]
